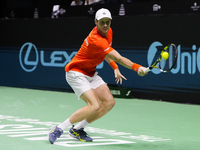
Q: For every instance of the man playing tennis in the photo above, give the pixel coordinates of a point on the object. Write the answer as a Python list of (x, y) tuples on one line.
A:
[(82, 77)]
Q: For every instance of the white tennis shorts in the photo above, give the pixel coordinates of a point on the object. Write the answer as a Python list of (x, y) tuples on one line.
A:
[(81, 83)]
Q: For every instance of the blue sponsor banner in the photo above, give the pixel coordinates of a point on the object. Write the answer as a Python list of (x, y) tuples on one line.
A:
[(36, 67)]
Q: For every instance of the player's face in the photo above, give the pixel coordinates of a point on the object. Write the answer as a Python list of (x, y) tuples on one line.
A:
[(103, 25)]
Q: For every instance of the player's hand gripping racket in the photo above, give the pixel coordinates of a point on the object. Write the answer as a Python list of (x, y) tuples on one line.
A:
[(168, 63)]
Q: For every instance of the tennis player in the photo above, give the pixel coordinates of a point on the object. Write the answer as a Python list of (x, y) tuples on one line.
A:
[(81, 75)]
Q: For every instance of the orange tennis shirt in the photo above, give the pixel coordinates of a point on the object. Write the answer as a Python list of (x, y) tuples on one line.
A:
[(92, 53)]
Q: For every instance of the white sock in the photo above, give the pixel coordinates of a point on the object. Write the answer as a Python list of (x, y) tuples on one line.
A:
[(81, 124), (65, 124)]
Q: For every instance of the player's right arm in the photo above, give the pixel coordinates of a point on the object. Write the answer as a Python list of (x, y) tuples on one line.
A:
[(114, 55)]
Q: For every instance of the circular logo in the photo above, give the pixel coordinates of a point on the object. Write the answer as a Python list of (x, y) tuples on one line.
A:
[(28, 57)]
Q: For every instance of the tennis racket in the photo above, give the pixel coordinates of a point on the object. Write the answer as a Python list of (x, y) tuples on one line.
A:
[(168, 64)]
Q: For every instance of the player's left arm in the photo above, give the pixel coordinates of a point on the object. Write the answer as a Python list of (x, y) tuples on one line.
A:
[(114, 55), (117, 73)]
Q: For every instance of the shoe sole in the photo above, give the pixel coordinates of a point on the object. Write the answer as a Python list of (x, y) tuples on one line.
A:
[(78, 138)]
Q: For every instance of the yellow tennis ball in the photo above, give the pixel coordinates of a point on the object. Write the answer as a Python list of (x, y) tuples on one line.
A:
[(165, 55)]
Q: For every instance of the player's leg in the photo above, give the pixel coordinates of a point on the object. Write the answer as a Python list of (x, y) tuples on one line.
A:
[(93, 105), (105, 96), (80, 83), (107, 104)]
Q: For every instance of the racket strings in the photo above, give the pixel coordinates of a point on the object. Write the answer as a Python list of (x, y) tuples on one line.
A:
[(169, 63)]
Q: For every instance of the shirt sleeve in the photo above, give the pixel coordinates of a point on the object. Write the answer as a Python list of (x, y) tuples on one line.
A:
[(104, 46)]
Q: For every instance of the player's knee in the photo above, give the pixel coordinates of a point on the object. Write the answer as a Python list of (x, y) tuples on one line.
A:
[(110, 103), (95, 107)]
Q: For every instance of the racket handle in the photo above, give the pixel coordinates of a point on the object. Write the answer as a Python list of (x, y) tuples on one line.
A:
[(148, 69)]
